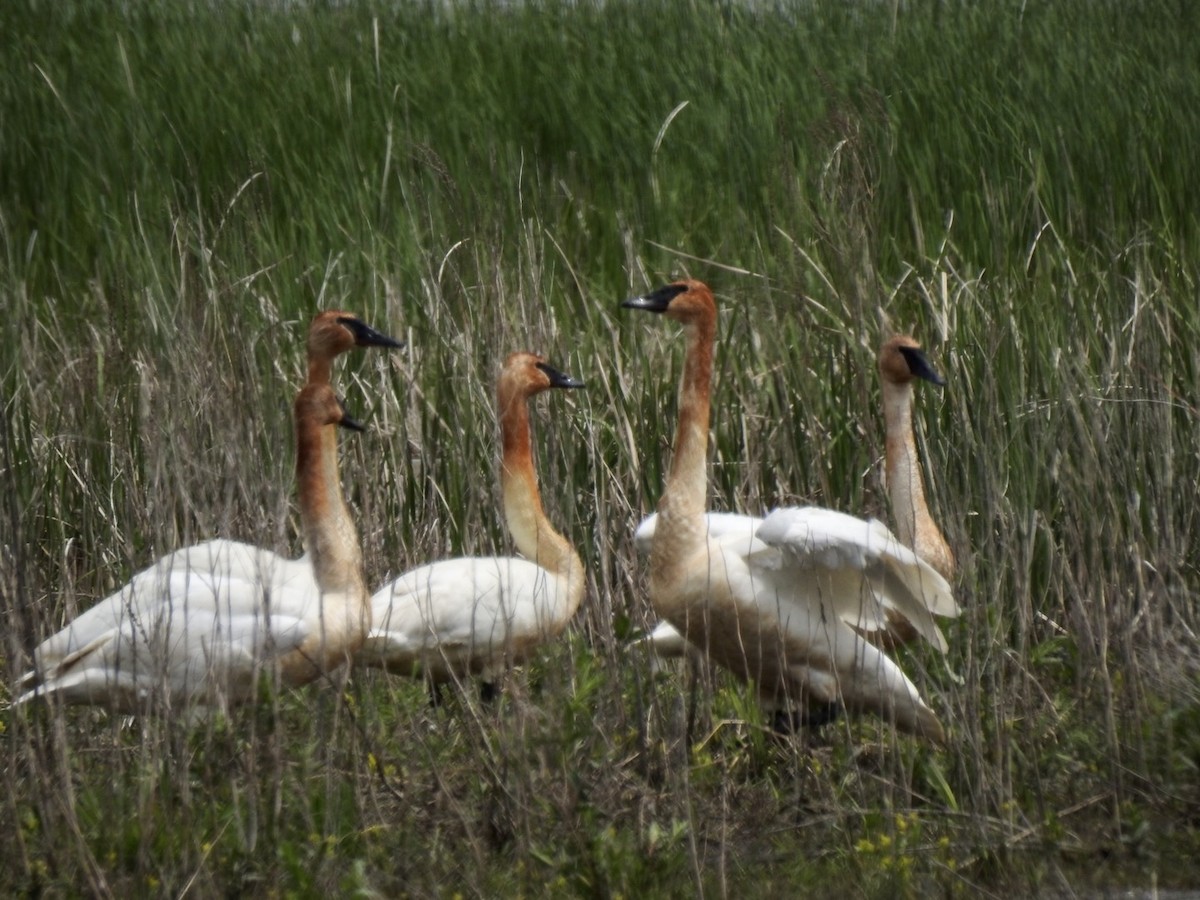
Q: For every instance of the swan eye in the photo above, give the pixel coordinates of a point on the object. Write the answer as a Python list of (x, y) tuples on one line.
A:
[(919, 366), (666, 294)]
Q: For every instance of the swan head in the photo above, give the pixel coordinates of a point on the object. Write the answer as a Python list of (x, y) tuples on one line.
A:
[(901, 360), (333, 332), (526, 374), (684, 301), (318, 405)]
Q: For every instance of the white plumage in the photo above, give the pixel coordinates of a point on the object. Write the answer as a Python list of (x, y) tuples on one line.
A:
[(868, 571), (779, 611)]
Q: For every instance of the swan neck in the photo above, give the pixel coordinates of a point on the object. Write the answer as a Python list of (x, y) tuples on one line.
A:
[(905, 483), (681, 509), (534, 536), (915, 526), (330, 536), (320, 369)]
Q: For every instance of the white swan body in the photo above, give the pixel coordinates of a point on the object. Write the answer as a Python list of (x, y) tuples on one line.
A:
[(774, 611), (505, 607), (895, 581), (200, 626), (193, 625), (869, 574)]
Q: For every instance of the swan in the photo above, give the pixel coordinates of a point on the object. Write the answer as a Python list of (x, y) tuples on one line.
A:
[(780, 607), (478, 615), (199, 627), (900, 361)]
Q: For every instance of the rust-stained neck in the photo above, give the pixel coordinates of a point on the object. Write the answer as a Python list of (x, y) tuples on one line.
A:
[(682, 506), (320, 370), (535, 537), (915, 526), (342, 618), (330, 536)]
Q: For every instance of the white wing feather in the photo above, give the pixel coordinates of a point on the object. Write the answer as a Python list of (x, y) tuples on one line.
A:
[(863, 568)]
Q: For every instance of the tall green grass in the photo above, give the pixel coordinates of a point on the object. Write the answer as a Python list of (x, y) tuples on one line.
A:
[(183, 185)]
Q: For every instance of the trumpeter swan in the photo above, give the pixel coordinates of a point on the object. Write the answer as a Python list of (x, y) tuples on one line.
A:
[(478, 615), (777, 607), (900, 361), (198, 627)]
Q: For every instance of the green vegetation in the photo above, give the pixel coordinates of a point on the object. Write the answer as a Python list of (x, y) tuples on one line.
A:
[(183, 184)]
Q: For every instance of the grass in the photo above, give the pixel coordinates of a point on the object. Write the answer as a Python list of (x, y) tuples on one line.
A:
[(182, 185)]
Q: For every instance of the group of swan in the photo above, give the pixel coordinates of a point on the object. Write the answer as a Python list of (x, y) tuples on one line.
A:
[(202, 625), (795, 602), (791, 601), (901, 362)]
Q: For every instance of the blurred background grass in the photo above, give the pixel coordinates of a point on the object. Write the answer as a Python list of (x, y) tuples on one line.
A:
[(182, 185)]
